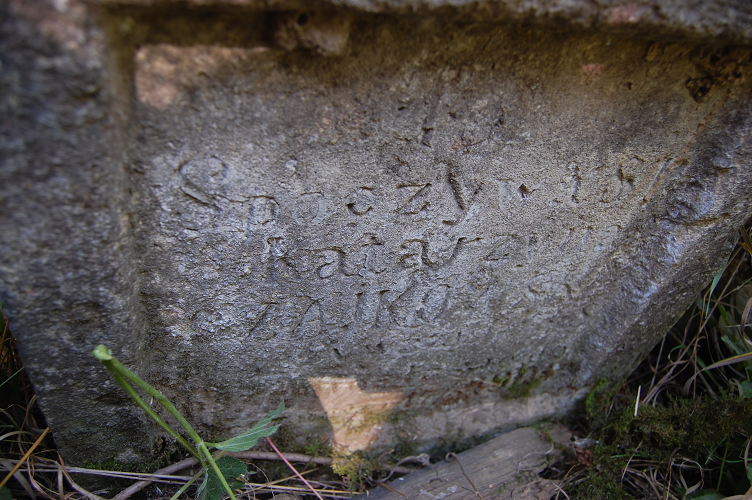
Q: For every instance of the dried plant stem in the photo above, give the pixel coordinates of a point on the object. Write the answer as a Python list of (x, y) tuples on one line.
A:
[(24, 458), (293, 469), (134, 488)]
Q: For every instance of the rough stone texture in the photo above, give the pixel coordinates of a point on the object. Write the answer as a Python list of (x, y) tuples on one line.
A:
[(471, 218)]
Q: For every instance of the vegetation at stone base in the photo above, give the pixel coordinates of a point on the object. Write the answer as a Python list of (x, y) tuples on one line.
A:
[(218, 475), (45, 474), (680, 427), (21, 423)]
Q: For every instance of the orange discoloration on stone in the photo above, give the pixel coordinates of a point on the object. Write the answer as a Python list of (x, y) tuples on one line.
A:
[(355, 416)]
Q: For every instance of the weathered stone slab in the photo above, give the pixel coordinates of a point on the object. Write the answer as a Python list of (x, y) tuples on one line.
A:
[(407, 226), (505, 467)]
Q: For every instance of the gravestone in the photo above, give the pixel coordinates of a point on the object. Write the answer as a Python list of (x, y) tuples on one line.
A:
[(408, 220)]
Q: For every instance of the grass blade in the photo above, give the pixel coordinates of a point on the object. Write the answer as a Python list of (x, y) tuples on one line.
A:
[(716, 279), (9, 378), (745, 317), (724, 362)]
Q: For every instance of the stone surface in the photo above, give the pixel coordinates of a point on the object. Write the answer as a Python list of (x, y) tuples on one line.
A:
[(465, 220), (504, 468)]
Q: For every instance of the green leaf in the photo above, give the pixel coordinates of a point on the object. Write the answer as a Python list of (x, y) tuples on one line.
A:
[(732, 345), (705, 495), (212, 488), (749, 473), (248, 439), (5, 494), (201, 493), (716, 279), (747, 389)]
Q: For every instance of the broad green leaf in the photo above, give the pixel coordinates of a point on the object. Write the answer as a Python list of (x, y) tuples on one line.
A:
[(5, 494), (211, 488), (248, 439), (749, 473), (705, 495)]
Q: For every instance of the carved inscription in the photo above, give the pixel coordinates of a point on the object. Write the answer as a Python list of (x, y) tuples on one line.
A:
[(365, 256), (512, 249), (418, 201), (238, 321), (206, 175), (264, 210), (419, 305), (360, 201), (274, 248), (331, 263), (310, 209), (377, 258)]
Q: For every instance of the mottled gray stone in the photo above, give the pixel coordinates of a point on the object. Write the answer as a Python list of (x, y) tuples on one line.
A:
[(444, 205)]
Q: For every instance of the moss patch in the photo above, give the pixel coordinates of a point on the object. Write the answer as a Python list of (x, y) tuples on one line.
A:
[(710, 431)]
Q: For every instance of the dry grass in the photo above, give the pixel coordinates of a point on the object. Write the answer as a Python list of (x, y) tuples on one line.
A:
[(681, 425)]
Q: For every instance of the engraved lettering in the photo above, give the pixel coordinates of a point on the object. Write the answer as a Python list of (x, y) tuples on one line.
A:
[(419, 305), (274, 248), (418, 201), (332, 263), (572, 182), (365, 256), (433, 303), (550, 287), (264, 210), (361, 201), (254, 320), (207, 174), (209, 322), (367, 308), (312, 323), (276, 319), (310, 209), (196, 194), (506, 193), (457, 190), (627, 180), (412, 254), (449, 201), (438, 249)]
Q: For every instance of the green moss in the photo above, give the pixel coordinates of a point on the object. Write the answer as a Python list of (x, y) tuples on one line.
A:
[(698, 425), (316, 448), (523, 389), (701, 428), (113, 464), (595, 397), (600, 482), (353, 468), (397, 417)]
